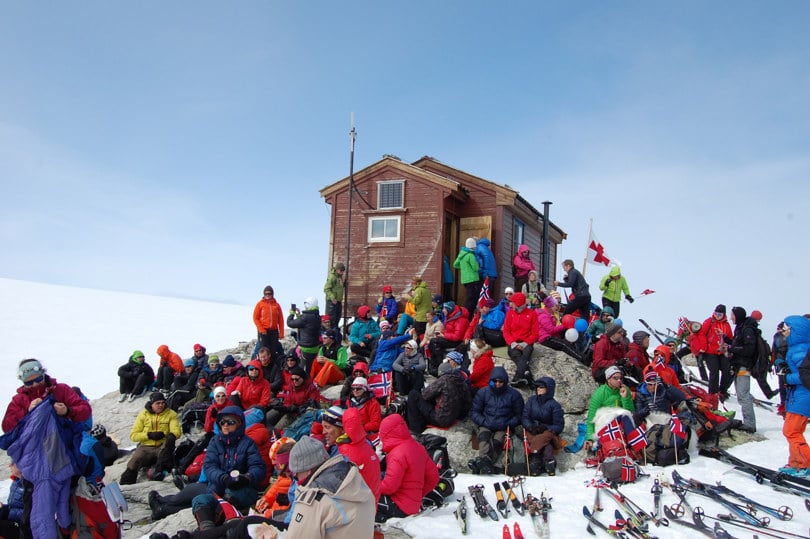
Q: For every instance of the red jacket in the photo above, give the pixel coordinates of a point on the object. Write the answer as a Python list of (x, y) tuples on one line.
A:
[(607, 353), (370, 414), (520, 326), (254, 392), (359, 451), (78, 408), (714, 331), (482, 368), (409, 472), (637, 356), (261, 436), (456, 324), (298, 396)]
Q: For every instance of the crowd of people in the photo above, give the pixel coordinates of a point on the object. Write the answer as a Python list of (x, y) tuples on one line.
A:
[(357, 460)]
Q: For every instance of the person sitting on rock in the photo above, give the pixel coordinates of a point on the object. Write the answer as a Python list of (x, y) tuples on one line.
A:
[(252, 390), (597, 327), (520, 331), (212, 375), (275, 503), (330, 362), (409, 369), (231, 368), (608, 351), (495, 408), (482, 364), (359, 369), (170, 366), (294, 399), (364, 333), (354, 445), (457, 318), (444, 401), (551, 330), (543, 422), (409, 471), (388, 347), (134, 377), (233, 469), (155, 431), (184, 385), (362, 399), (611, 394)]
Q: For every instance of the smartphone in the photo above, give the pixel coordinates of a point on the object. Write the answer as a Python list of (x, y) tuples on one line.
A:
[(292, 307)]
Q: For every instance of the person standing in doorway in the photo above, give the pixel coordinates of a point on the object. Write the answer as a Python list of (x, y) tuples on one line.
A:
[(467, 264)]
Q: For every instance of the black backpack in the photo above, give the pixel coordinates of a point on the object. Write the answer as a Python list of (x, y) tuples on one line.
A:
[(437, 449), (762, 364)]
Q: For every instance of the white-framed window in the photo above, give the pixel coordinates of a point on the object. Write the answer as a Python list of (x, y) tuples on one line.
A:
[(382, 229), (391, 195)]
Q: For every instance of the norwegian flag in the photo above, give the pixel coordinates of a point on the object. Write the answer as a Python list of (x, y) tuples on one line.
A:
[(647, 292), (638, 438), (660, 360), (611, 431), (596, 252), (629, 470), (380, 384), (677, 427), (375, 440), (484, 294)]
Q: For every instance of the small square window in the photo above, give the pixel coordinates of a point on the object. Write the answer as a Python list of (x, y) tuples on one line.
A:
[(390, 195)]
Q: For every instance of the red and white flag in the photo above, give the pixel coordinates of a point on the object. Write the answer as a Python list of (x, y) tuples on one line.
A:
[(647, 292), (484, 296), (596, 252)]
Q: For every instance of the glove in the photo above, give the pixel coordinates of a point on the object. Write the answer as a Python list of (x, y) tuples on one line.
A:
[(236, 482), (629, 298), (368, 336), (156, 435)]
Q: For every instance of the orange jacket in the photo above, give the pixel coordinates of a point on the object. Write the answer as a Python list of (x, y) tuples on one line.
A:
[(281, 486), (167, 356), (267, 315)]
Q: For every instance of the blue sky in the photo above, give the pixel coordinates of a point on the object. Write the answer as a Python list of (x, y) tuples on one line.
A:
[(178, 148)]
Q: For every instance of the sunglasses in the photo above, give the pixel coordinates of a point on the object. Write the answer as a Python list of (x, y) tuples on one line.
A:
[(499, 381), (252, 369), (296, 378), (220, 396), (228, 422), (36, 380)]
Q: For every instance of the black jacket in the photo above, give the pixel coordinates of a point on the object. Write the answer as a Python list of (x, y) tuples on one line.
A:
[(308, 326), (744, 345)]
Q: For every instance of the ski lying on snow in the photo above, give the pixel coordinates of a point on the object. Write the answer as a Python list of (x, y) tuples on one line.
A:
[(593, 520), (702, 527), (774, 476)]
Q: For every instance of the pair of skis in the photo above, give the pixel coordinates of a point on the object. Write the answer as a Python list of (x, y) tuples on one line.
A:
[(538, 510), (501, 500), (626, 528)]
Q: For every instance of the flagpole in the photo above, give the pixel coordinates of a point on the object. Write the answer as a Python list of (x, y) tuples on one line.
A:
[(587, 244)]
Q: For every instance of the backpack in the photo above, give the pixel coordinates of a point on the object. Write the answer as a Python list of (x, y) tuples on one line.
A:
[(302, 424), (661, 449), (444, 489), (762, 364), (193, 416), (437, 449), (617, 462), (89, 516)]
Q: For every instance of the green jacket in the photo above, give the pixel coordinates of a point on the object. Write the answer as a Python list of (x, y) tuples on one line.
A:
[(605, 397), (466, 262), (333, 287), (612, 288), (421, 301)]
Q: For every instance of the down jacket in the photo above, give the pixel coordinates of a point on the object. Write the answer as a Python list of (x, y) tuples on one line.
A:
[(409, 472), (236, 451), (496, 408), (450, 395), (798, 379), (544, 410), (356, 447)]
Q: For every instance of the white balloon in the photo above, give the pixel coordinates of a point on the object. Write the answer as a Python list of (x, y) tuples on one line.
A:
[(571, 335)]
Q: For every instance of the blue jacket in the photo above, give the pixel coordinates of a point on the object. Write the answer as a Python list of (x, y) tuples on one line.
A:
[(361, 328), (497, 407), (15, 504), (94, 451), (486, 259), (235, 451), (544, 410), (387, 352), (665, 398), (390, 305), (493, 319), (798, 395)]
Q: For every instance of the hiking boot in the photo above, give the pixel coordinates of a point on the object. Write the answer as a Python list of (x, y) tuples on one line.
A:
[(799, 472), (154, 505), (133, 397), (179, 480), (474, 466), (485, 466), (205, 518), (519, 382), (787, 469), (128, 477), (551, 467), (123, 397), (747, 428)]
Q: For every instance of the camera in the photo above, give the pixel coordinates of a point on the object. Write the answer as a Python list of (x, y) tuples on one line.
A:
[(293, 307)]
